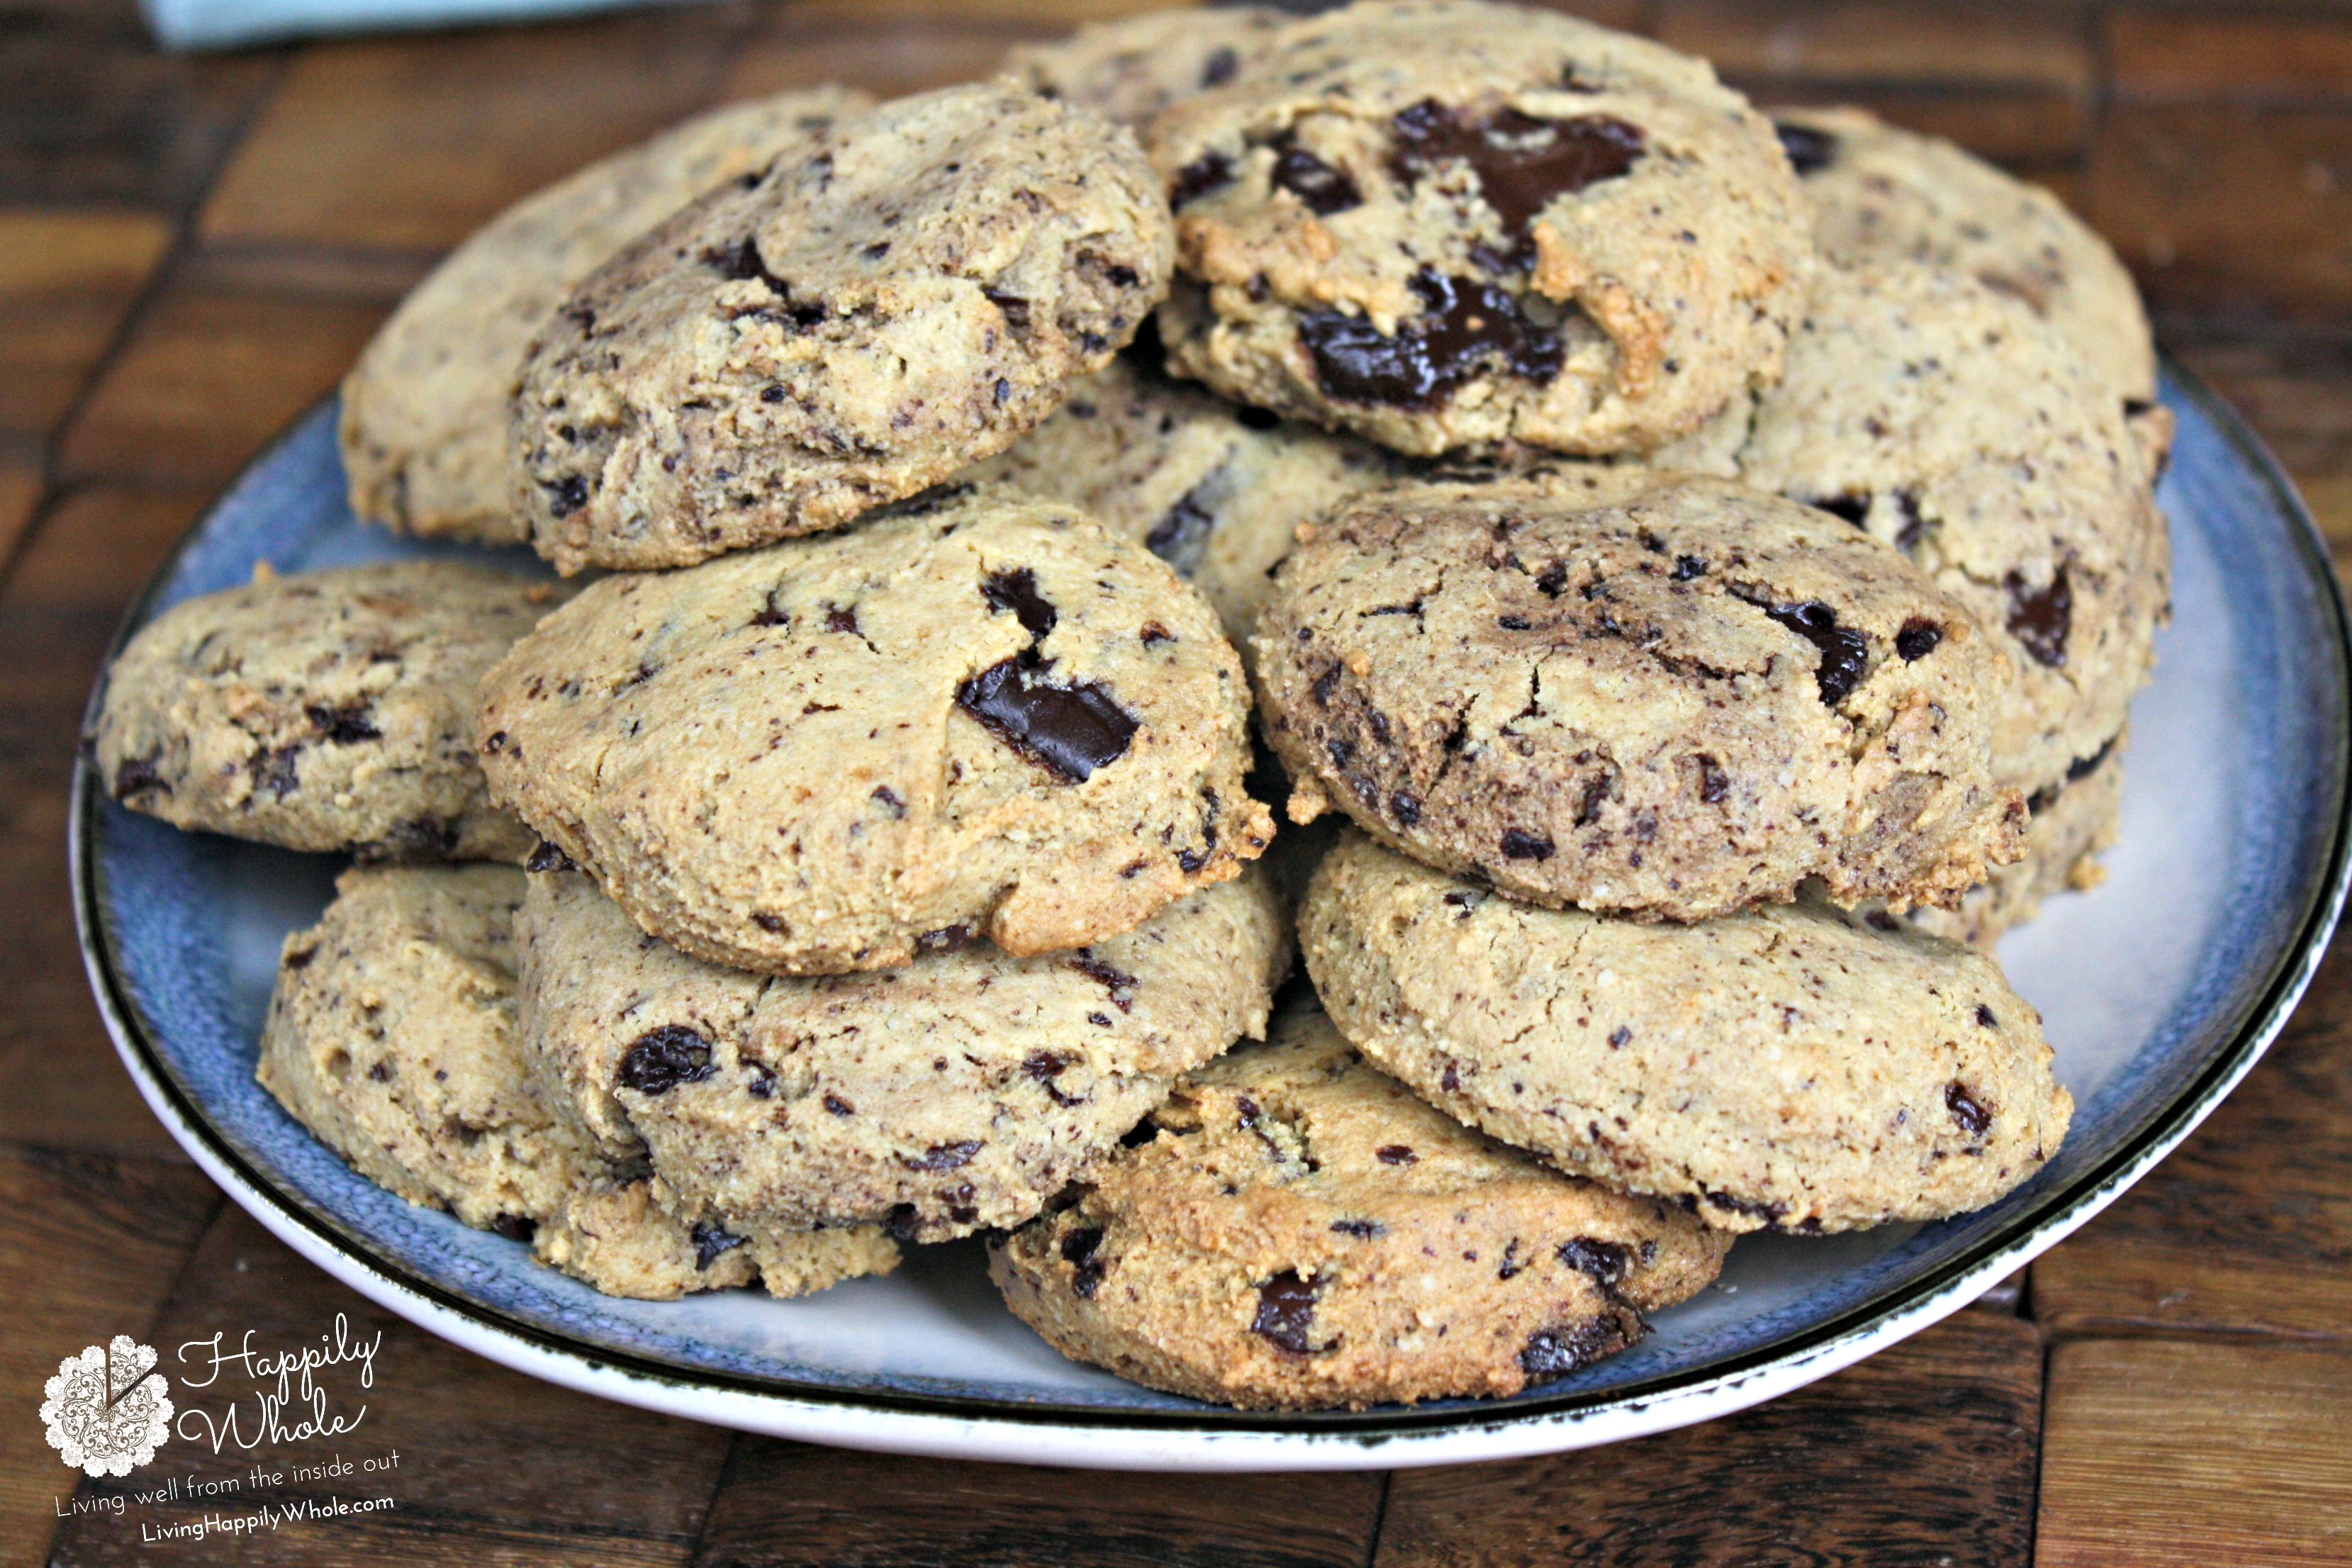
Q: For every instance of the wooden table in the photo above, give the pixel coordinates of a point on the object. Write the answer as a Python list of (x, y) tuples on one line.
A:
[(191, 251)]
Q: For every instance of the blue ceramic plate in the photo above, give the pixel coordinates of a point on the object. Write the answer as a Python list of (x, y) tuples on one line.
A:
[(2159, 990)]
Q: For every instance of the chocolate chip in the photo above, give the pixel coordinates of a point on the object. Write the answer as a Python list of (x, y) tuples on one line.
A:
[(1915, 525), (1154, 633), (1111, 978), (514, 1226), (1810, 151), (1973, 1116), (1395, 1154), (772, 394), (419, 838), (1190, 860), (1218, 68), (1079, 1249), (763, 1081), (944, 1157), (1405, 809), (1285, 1312), (1044, 1067), (1324, 683), (1917, 639), (1713, 784), (1014, 309), (2041, 618), (1522, 164), (947, 939), (1068, 731), (382, 1072), (301, 959), (1754, 1209), (1179, 536), (838, 1106), (1324, 189), (1466, 327), (1361, 1229), (1687, 567), (837, 619), (1553, 1353), (343, 726), (274, 769), (741, 262), (1855, 510), (1209, 171), (1985, 1017), (1137, 1136), (660, 1060), (1519, 846), (903, 1222), (566, 495), (1604, 1262), (1512, 623), (1620, 1038), (137, 775), (889, 800), (1845, 652), (712, 1242), (548, 857)]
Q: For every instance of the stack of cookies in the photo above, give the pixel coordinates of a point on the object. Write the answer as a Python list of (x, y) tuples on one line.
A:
[(1705, 559)]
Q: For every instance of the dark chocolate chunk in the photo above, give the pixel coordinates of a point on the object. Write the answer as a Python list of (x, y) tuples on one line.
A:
[(1179, 538), (1014, 309), (137, 775), (1044, 1067), (944, 1157), (1845, 652), (1068, 731), (1405, 808), (837, 619), (548, 857), (1606, 1263), (1361, 1229), (343, 726), (1522, 164), (1917, 639), (1687, 567), (1324, 189), (1972, 1114), (566, 495), (1810, 151), (2041, 618), (1285, 1312), (660, 1060), (1466, 326), (1985, 1016), (1621, 1036), (1209, 171), (1218, 68), (713, 1241), (903, 1222), (1553, 1353), (513, 1227), (1395, 1154), (742, 262), (838, 1106), (1713, 784), (273, 769), (947, 939), (1520, 846), (1111, 978), (1079, 1250), (1855, 510)]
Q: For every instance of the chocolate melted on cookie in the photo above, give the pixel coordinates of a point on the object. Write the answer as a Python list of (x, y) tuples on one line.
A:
[(1467, 326), (1068, 731), (1521, 162)]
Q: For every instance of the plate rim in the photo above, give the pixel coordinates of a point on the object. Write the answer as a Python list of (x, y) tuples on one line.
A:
[(969, 1428)]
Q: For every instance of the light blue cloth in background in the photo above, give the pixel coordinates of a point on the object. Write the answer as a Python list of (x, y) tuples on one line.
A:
[(232, 24)]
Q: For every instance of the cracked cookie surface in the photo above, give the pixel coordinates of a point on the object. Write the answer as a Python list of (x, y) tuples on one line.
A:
[(1953, 424), (392, 1034), (904, 294), (328, 710), (1791, 1066), (1301, 1232), (1215, 492), (1441, 223), (958, 1092), (2068, 824), (424, 423), (1883, 194), (1669, 703), (981, 716), (1128, 68)]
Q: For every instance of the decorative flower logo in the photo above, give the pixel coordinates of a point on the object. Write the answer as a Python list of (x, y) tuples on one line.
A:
[(106, 1409)]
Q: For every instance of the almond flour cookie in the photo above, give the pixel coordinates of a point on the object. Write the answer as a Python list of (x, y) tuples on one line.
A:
[(1790, 1066), (982, 716), (331, 710), (1301, 1232), (1215, 492), (391, 1035), (424, 411), (958, 1092), (904, 294), (1880, 193), (1950, 422), (2069, 824), (1442, 223), (1130, 68), (1669, 704)]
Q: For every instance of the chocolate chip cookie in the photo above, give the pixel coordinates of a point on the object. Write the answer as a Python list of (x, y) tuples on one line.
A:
[(957, 1092), (329, 710), (424, 411), (903, 294), (392, 1034), (1131, 67), (2069, 824), (1300, 1232), (1952, 423), (1881, 193), (1790, 1066), (1668, 703), (1215, 492), (1443, 223), (981, 716)]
